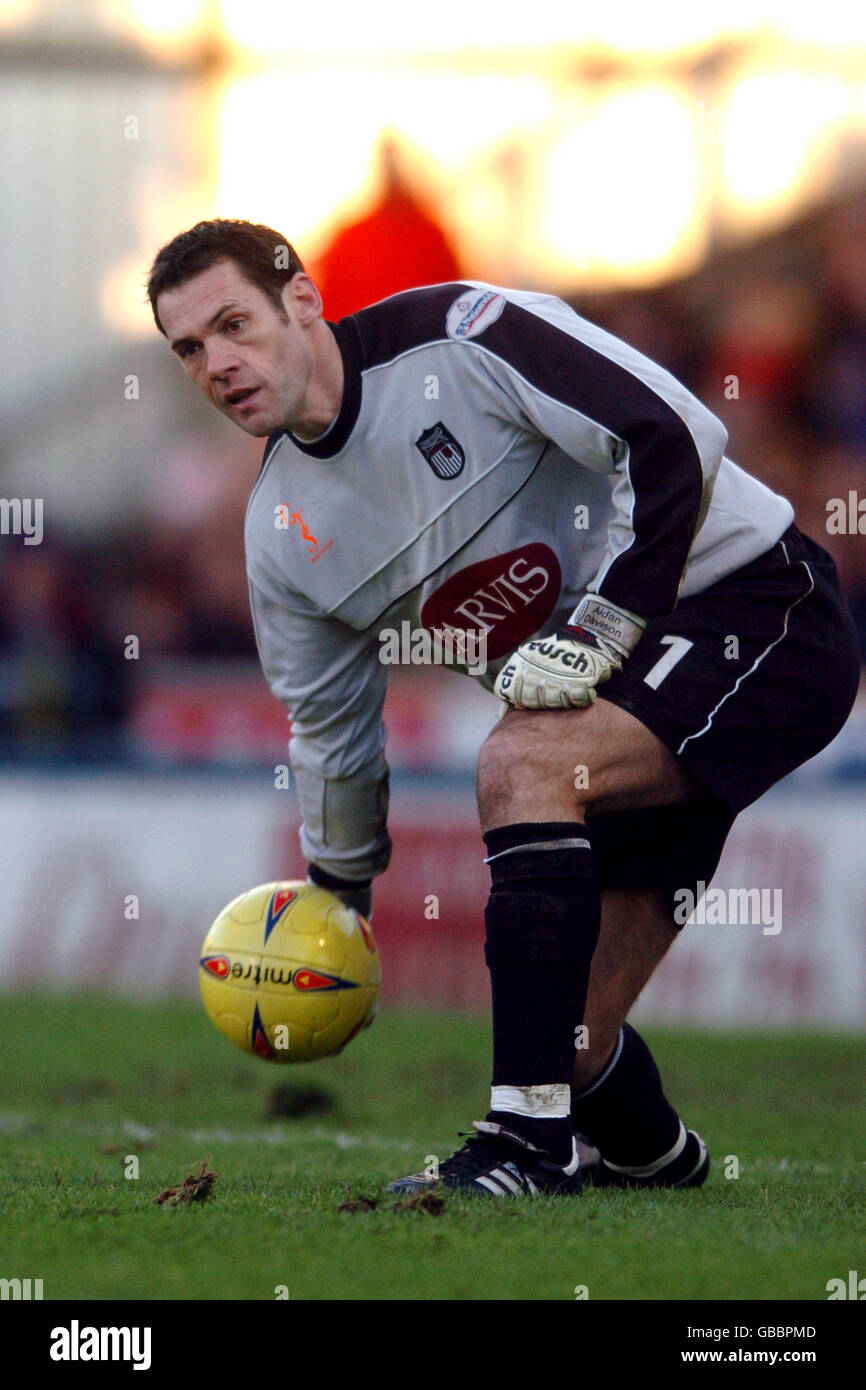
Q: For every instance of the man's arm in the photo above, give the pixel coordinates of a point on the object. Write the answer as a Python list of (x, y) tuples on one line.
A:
[(613, 411), (333, 685)]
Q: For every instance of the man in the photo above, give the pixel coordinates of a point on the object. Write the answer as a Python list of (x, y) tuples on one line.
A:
[(477, 458)]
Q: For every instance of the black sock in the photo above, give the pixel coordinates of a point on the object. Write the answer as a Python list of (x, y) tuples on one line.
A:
[(625, 1112), (542, 922)]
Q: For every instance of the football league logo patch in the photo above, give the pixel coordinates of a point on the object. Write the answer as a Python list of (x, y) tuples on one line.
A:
[(441, 451), (472, 313)]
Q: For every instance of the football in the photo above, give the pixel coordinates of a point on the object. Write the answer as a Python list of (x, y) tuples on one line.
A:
[(289, 973)]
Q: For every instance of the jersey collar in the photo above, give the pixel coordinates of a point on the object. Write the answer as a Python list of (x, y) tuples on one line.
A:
[(330, 443)]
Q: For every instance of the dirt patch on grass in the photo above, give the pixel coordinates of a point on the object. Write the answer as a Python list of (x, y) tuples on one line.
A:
[(291, 1102), (357, 1203), (91, 1211), (88, 1088), (432, 1202), (196, 1187)]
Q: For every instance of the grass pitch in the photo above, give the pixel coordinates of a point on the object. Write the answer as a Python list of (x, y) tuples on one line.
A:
[(95, 1090)]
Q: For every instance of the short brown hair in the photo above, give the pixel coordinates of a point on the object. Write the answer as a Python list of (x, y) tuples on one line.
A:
[(264, 256)]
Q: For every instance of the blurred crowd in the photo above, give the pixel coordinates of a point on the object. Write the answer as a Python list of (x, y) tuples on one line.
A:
[(772, 338)]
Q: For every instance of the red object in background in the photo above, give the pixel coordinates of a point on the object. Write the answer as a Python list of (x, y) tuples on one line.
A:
[(428, 909), (396, 247), (202, 711), (201, 714), (428, 913)]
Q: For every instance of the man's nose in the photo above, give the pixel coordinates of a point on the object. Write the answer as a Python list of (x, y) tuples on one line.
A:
[(221, 357)]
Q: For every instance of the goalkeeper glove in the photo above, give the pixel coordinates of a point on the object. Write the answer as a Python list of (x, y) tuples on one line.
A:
[(562, 671)]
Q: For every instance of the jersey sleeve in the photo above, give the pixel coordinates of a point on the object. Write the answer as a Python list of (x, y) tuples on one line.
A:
[(613, 410), (333, 685)]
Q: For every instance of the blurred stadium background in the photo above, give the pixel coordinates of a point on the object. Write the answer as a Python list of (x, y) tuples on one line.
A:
[(692, 177)]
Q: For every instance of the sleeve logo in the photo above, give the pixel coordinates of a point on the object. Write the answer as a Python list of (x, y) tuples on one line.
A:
[(285, 517), (472, 313)]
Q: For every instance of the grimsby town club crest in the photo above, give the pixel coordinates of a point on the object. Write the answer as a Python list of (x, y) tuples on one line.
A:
[(441, 451)]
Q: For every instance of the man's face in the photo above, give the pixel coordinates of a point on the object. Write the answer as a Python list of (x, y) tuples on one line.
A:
[(251, 362)]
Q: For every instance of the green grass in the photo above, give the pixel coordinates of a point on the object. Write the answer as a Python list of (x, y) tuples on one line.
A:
[(88, 1082)]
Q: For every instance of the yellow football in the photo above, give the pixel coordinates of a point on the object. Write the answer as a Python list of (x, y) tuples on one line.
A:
[(289, 973)]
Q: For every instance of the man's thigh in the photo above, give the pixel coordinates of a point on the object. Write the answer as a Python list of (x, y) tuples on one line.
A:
[(750, 678), (539, 765)]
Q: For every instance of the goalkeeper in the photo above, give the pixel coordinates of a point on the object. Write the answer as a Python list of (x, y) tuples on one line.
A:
[(666, 643)]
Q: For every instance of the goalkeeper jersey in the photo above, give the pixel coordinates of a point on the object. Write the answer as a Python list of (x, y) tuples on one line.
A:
[(495, 456)]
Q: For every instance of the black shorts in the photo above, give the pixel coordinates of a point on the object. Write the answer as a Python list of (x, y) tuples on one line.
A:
[(744, 682)]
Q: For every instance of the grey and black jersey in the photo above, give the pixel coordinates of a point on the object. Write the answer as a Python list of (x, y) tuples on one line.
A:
[(495, 457)]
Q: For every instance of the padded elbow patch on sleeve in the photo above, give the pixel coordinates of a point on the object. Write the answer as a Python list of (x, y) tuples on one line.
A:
[(344, 830)]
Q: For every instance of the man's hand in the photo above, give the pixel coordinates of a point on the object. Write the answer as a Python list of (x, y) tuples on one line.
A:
[(563, 671), (557, 672)]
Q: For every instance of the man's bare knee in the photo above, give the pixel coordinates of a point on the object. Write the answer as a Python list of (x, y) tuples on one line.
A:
[(494, 786), (521, 777), (538, 765)]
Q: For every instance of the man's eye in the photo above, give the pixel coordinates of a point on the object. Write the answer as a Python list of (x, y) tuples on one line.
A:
[(235, 323), (185, 353)]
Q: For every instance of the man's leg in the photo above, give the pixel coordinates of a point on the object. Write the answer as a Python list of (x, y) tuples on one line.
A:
[(636, 932), (528, 766), (618, 1102), (540, 774)]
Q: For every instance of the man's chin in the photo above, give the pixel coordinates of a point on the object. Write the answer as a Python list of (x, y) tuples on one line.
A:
[(259, 428)]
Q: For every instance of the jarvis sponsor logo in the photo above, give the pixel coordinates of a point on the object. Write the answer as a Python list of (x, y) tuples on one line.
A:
[(508, 598), (441, 647), (472, 313)]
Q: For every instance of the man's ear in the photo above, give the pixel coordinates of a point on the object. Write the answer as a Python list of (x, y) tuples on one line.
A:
[(302, 299)]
